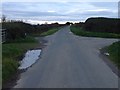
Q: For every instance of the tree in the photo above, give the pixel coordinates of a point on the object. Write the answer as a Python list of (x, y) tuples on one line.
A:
[(3, 18), (68, 23)]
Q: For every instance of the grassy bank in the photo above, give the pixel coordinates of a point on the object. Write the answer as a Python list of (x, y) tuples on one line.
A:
[(114, 51), (50, 32), (79, 31), (28, 39), (45, 33), (11, 53), (0, 65)]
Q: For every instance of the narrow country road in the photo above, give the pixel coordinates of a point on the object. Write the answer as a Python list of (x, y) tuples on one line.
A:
[(70, 61)]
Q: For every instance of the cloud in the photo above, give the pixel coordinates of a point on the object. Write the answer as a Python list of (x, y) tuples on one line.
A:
[(64, 1), (51, 11), (31, 13), (59, 11)]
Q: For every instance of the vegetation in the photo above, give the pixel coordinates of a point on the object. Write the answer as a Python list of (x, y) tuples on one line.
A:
[(19, 30), (10, 54), (49, 32), (101, 27), (100, 24), (81, 32), (114, 51), (1, 65), (27, 39), (18, 40), (106, 25)]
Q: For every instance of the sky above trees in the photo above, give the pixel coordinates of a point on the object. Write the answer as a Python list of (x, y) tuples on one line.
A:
[(52, 11)]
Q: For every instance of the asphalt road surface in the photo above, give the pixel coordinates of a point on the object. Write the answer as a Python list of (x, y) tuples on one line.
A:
[(70, 61)]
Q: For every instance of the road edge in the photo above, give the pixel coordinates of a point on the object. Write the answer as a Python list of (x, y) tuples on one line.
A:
[(109, 63)]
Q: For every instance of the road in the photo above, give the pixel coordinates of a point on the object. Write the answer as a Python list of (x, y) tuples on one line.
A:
[(70, 61)]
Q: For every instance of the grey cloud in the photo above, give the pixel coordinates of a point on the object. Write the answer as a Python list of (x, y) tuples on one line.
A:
[(38, 11), (31, 13), (105, 4)]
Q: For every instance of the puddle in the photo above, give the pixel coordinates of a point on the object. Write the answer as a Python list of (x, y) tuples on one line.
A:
[(30, 58)]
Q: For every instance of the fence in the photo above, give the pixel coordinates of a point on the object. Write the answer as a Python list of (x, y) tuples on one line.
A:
[(3, 35)]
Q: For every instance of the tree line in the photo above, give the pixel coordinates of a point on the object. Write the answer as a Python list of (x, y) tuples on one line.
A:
[(100, 24)]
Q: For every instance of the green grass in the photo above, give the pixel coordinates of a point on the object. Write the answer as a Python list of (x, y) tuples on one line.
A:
[(9, 67), (28, 39), (11, 52), (79, 31), (114, 51), (0, 65), (46, 33), (50, 32)]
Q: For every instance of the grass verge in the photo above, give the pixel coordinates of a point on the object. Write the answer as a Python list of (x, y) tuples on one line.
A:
[(79, 31), (0, 65), (11, 53), (114, 51), (50, 32), (28, 39)]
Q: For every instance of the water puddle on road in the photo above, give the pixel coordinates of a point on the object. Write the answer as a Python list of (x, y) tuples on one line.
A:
[(30, 58)]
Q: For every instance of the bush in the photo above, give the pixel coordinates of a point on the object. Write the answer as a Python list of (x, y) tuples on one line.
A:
[(81, 32), (107, 25), (19, 30)]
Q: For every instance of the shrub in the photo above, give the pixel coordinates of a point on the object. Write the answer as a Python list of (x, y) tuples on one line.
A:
[(111, 25)]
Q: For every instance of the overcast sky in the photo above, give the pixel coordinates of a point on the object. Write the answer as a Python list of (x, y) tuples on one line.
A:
[(40, 12)]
